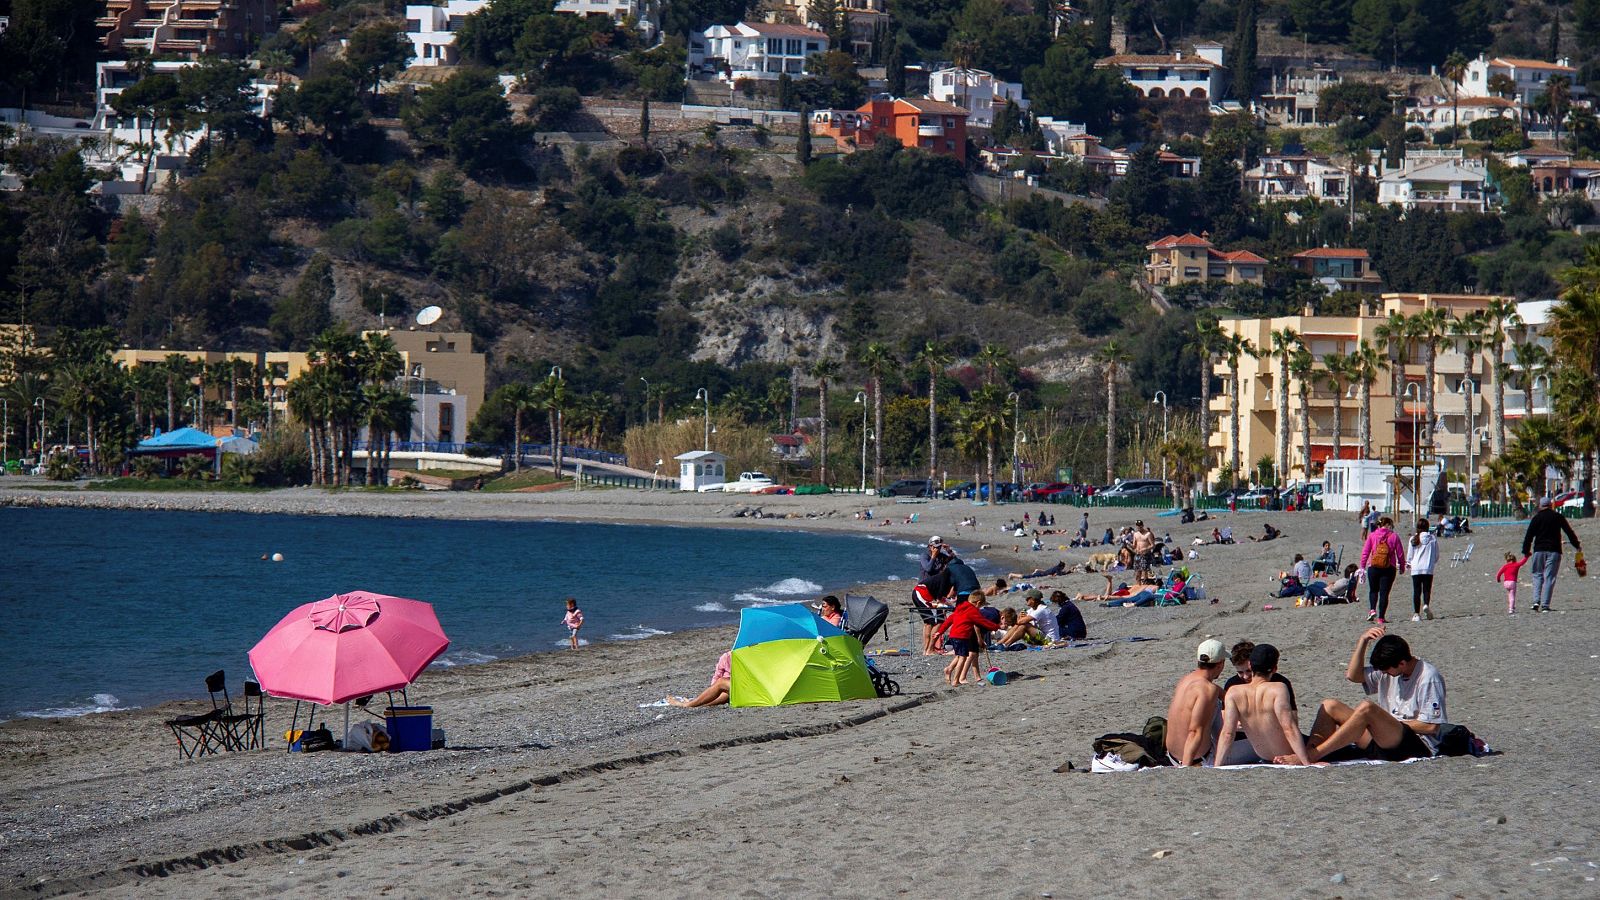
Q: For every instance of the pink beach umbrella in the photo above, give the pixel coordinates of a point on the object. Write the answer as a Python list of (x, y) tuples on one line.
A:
[(348, 646)]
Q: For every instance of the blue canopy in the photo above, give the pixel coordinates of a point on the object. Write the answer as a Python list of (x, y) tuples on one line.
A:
[(759, 624), (180, 439)]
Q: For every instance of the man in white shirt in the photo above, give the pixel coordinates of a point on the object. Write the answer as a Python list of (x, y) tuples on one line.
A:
[(1406, 715), (1040, 619)]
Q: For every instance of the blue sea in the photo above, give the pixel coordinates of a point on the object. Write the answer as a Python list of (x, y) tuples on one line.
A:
[(114, 609)]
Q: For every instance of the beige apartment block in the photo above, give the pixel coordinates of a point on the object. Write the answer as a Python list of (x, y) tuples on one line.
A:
[(1460, 410)]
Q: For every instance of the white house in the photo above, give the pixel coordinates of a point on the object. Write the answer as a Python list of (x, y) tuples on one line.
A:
[(1531, 76), (1295, 176), (1437, 113), (432, 30), (758, 50), (1197, 75), (976, 91), (123, 134), (699, 468), (1444, 183)]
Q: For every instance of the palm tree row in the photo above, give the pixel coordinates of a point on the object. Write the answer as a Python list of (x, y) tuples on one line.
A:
[(348, 383)]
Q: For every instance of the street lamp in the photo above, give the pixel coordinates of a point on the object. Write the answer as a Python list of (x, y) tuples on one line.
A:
[(1470, 388), (555, 439), (861, 398), (1416, 463), (39, 404), (1016, 420), (704, 394), (1477, 439), (646, 399), (1161, 397), (1533, 387)]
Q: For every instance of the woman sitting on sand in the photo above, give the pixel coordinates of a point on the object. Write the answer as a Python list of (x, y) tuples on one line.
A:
[(717, 693)]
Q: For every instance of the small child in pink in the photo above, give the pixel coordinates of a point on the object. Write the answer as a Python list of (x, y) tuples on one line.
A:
[(573, 620), (1508, 577)]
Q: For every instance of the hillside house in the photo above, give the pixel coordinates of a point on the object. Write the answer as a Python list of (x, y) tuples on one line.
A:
[(1182, 259), (977, 91), (1340, 269), (1444, 183), (1291, 98), (791, 448), (921, 122), (1198, 75), (1531, 77), (1294, 176), (756, 50), (1433, 114), (186, 28), (865, 20), (432, 30)]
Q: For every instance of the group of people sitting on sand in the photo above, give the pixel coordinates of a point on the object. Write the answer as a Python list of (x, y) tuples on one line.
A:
[(1253, 718)]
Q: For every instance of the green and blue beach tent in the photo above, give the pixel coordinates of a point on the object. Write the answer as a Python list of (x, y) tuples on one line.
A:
[(788, 654)]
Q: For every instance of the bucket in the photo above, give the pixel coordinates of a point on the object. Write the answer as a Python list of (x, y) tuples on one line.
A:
[(410, 728)]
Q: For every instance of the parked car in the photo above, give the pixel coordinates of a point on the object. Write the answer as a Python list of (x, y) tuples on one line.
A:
[(1047, 492), (959, 492), (1141, 487), (909, 487), (1029, 489)]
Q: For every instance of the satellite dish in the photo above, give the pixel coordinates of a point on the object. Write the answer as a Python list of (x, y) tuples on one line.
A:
[(429, 315)]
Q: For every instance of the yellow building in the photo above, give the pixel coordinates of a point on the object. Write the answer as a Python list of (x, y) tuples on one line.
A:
[(1460, 411), (1182, 259)]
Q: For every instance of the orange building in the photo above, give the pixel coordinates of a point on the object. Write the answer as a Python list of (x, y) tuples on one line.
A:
[(931, 125)]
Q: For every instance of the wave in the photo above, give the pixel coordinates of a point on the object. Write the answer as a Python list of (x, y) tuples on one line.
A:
[(793, 586), (892, 578), (99, 703), (713, 606), (639, 633), (892, 540), (463, 658), (567, 642)]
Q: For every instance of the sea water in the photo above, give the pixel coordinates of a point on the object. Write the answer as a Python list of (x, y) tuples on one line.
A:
[(112, 609)]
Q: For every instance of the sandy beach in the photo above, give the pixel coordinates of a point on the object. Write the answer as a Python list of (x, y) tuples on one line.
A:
[(561, 779)]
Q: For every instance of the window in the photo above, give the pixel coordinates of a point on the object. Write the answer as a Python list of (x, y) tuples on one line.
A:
[(774, 45), (950, 145), (447, 423), (1191, 272), (1247, 272), (793, 47)]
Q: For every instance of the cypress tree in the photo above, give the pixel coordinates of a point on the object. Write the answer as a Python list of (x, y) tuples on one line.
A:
[(1244, 52), (644, 122), (1555, 37), (896, 66), (785, 91), (802, 145)]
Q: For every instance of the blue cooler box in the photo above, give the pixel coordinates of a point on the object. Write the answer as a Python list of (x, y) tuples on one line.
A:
[(410, 728)]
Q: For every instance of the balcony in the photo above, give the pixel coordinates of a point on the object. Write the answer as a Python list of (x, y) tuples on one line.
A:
[(1446, 403), (930, 131)]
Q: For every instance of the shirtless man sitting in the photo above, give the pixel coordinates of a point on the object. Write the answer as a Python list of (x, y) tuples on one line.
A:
[(1262, 710), (1408, 716), (1192, 715)]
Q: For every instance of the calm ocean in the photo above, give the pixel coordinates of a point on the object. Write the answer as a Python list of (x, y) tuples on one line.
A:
[(111, 609)]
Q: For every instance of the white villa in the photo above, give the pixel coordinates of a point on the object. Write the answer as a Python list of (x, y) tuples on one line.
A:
[(1531, 76), (1433, 114), (1197, 75), (1294, 176), (432, 30), (1438, 180), (976, 91), (757, 50)]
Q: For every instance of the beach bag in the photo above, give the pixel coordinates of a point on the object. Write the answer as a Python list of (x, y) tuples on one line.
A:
[(1579, 564), (1458, 740), (312, 741), (1291, 587), (367, 737), (1380, 558)]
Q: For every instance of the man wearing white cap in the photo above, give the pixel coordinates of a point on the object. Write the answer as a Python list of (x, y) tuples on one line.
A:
[(1192, 716), (934, 559)]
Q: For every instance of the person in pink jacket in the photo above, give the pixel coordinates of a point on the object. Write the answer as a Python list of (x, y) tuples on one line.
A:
[(1384, 557)]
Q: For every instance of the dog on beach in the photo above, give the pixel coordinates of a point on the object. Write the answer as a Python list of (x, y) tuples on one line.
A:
[(1102, 560)]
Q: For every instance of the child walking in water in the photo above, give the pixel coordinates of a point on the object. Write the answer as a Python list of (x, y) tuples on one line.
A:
[(1508, 577), (573, 620)]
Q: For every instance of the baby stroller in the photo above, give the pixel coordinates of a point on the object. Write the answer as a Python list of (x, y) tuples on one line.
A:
[(863, 617), (881, 682)]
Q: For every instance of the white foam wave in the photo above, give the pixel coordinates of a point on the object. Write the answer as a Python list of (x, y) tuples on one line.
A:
[(639, 633), (713, 606), (892, 578), (567, 642), (915, 557), (463, 658), (793, 586), (99, 703)]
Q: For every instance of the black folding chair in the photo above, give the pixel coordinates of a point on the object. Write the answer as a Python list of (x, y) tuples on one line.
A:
[(203, 733), (247, 729)]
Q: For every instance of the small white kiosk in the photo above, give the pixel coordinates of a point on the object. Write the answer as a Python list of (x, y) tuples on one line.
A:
[(699, 468), (1350, 483)]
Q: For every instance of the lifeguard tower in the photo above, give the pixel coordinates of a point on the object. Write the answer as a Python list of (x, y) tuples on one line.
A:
[(699, 468)]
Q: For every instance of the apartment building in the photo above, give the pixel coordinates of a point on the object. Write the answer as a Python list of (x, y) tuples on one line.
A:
[(1196, 75), (1462, 405), (186, 28), (1188, 258)]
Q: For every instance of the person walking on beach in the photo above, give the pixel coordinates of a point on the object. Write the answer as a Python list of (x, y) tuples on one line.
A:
[(1406, 719), (573, 620), (1363, 519), (1507, 576), (1382, 556), (966, 625), (1543, 538), (1192, 714), (1421, 557), (1083, 530)]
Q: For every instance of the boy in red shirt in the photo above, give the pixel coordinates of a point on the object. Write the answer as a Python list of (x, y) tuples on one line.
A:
[(966, 625)]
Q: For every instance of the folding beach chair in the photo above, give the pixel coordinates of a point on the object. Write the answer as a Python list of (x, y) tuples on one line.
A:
[(1461, 556), (208, 732), (247, 730)]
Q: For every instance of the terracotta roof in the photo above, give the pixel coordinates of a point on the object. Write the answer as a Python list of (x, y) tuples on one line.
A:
[(1172, 240), (789, 440), (1332, 253), (1500, 102), (1530, 64), (786, 30), (927, 105), (1134, 59), (1238, 256)]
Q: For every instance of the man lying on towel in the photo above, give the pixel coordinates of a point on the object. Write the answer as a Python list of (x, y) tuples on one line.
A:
[(1262, 710), (1407, 717)]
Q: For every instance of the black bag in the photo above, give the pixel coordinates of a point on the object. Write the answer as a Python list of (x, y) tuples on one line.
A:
[(1146, 749), (312, 741), (1458, 740)]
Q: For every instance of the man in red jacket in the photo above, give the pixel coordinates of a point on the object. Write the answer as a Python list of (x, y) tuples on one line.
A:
[(966, 625)]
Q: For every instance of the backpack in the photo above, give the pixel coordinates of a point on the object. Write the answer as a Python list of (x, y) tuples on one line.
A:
[(1380, 558)]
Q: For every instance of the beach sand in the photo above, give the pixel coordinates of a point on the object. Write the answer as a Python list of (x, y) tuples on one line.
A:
[(558, 782)]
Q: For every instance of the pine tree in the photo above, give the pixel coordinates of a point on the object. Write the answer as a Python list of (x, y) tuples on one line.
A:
[(896, 67), (1244, 52), (802, 145)]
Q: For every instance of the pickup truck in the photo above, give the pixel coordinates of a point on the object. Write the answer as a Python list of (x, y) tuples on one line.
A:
[(748, 483)]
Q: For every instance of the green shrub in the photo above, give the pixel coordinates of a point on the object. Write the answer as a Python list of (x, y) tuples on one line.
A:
[(146, 468), (62, 467)]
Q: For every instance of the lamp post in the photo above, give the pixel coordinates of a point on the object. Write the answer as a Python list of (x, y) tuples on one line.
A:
[(1161, 397), (1534, 386), (1413, 389), (1476, 441), (861, 398), (1470, 388), (1016, 421), (39, 404), (555, 439), (704, 394), (646, 399)]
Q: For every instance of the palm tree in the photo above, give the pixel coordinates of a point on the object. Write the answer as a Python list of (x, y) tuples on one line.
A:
[(1429, 328), (592, 408), (986, 420), (86, 390), (935, 356), (1301, 365), (1455, 70), (1285, 343), (1557, 97), (551, 396), (1336, 369), (179, 369), (1185, 454), (1575, 338), (1112, 357), (1394, 337), (993, 358), (239, 372), (521, 398), (1236, 347), (1501, 316), (880, 362), (389, 412), (1208, 342), (1365, 361), (823, 370)]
